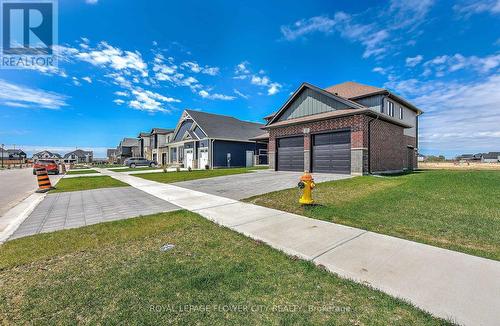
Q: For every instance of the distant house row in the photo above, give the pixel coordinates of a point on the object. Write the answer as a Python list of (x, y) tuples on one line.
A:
[(76, 156), (490, 157), (200, 140)]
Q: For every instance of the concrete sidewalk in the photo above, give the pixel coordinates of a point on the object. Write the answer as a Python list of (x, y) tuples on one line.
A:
[(462, 288), (74, 209)]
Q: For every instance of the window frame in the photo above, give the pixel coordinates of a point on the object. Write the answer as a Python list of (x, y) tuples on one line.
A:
[(401, 113)]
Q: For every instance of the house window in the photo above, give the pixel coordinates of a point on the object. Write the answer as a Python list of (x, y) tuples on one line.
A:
[(401, 112), (390, 109)]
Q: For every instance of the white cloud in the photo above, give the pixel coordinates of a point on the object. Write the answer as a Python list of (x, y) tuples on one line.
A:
[(468, 8), (119, 101), (242, 72), (23, 96), (215, 96), (409, 13), (444, 64), (75, 81), (413, 61), (240, 94), (121, 93), (304, 27), (368, 35), (196, 68), (379, 70), (91, 2), (460, 116), (370, 29), (260, 81), (242, 68), (274, 88), (87, 79), (146, 100), (115, 58)]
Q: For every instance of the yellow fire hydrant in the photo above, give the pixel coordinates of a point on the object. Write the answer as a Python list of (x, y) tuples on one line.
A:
[(307, 184)]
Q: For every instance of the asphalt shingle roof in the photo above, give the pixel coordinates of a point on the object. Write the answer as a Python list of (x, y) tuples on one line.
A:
[(161, 131), (225, 127), (491, 155), (78, 152), (130, 142), (352, 89)]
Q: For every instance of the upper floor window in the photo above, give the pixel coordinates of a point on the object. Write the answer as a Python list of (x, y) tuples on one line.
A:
[(401, 112), (390, 109)]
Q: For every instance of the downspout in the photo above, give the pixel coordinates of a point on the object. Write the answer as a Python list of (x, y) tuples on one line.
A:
[(211, 152)]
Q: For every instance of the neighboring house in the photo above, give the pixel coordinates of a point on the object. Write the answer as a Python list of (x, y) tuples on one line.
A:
[(468, 157), (347, 128), (210, 140), (78, 156), (145, 145), (421, 157), (15, 154), (159, 148), (111, 155), (45, 155), (491, 157), (128, 147), (3, 153)]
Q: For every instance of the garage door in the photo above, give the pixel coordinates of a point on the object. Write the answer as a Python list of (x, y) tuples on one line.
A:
[(291, 154), (332, 152)]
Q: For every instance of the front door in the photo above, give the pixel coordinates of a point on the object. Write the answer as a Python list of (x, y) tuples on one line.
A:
[(249, 158), (188, 155), (203, 158)]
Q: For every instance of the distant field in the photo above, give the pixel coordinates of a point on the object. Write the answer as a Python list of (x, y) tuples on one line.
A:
[(459, 166)]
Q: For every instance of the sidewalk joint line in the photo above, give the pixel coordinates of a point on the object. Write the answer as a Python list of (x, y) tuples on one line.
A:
[(338, 245)]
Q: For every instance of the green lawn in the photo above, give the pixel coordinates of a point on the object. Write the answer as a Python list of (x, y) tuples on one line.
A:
[(81, 171), (459, 210), (169, 177), (142, 168), (114, 273), (86, 183)]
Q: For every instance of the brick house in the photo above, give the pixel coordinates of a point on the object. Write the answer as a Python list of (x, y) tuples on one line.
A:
[(346, 128)]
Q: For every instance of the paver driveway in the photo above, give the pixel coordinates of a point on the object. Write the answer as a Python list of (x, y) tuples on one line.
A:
[(79, 208), (239, 186)]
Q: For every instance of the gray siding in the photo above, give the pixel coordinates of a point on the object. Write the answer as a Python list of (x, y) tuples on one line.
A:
[(373, 102), (310, 102), (409, 117)]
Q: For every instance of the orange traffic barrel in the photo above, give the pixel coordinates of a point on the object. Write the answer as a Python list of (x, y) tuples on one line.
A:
[(42, 176)]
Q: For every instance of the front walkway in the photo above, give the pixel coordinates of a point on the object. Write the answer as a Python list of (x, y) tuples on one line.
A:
[(73, 209), (448, 284)]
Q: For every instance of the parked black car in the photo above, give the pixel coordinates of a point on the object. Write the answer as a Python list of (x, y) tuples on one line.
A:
[(139, 161)]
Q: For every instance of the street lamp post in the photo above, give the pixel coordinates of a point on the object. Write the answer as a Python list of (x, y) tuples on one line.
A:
[(2, 154)]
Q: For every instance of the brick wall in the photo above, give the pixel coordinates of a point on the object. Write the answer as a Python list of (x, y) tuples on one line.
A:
[(388, 148), (411, 141), (388, 144), (357, 123)]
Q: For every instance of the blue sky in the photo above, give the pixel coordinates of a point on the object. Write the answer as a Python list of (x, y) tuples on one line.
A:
[(129, 66)]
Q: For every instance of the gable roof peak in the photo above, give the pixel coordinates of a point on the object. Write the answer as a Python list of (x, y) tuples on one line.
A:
[(351, 89)]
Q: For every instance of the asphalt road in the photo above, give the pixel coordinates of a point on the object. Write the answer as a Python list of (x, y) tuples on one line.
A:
[(15, 185)]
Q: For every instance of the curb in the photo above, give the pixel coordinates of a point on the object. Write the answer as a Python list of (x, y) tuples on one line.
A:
[(18, 214)]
